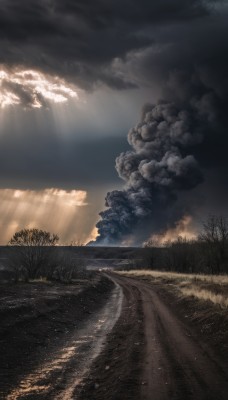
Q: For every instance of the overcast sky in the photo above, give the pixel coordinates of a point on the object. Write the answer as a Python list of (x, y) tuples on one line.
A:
[(75, 77)]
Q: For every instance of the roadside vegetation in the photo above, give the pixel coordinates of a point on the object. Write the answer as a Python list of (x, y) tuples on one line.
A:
[(192, 268), (208, 254), (204, 287), (33, 255)]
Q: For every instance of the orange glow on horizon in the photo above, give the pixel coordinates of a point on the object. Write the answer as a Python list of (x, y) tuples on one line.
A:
[(56, 210), (182, 229)]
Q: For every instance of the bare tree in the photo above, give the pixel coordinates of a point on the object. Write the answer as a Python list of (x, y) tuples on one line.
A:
[(33, 237), (30, 254), (150, 253), (179, 255), (215, 239)]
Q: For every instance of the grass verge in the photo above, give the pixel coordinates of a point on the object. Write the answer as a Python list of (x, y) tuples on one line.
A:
[(200, 302), (210, 288)]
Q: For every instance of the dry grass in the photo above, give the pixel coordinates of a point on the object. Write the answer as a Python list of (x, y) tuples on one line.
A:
[(213, 288), (217, 279), (42, 279), (207, 295)]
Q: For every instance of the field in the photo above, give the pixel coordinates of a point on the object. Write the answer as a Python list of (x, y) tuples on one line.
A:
[(40, 322), (114, 335)]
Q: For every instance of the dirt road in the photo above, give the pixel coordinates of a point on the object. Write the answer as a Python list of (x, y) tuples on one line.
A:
[(153, 355), (133, 347)]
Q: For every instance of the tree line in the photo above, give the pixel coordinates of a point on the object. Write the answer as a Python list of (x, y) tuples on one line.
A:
[(206, 254), (33, 253)]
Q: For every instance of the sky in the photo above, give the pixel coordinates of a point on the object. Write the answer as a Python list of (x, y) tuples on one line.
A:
[(113, 118)]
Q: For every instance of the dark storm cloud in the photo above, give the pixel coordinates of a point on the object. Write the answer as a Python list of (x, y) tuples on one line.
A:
[(36, 162), (174, 147), (26, 96), (179, 140), (179, 46), (80, 39)]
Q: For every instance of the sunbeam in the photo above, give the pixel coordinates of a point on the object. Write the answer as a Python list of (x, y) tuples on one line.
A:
[(33, 89), (52, 209)]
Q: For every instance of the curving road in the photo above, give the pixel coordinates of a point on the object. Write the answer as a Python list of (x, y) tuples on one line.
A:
[(172, 364), (133, 348)]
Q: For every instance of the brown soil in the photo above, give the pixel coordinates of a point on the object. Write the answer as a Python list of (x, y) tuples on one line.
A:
[(153, 353), (158, 349), (37, 318)]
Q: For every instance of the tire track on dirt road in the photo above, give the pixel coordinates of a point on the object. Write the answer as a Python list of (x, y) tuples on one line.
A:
[(170, 361), (59, 374)]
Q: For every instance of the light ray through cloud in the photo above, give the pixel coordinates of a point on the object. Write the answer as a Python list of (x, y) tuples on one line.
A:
[(73, 81), (33, 89), (56, 210)]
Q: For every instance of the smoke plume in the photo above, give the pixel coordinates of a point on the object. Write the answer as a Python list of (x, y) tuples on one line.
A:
[(164, 160)]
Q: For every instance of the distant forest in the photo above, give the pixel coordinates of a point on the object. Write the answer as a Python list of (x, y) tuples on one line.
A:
[(207, 254), (26, 261)]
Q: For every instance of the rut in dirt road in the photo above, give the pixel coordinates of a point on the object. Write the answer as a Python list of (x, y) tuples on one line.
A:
[(59, 376), (172, 363), (176, 366)]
